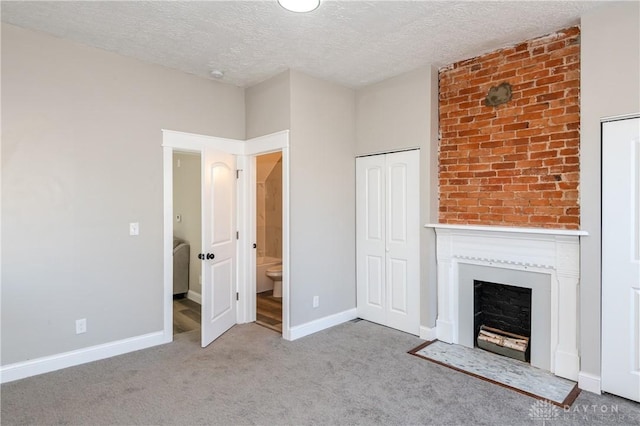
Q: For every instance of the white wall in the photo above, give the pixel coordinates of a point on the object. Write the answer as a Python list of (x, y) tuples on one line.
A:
[(610, 86), (321, 119), (187, 203), (268, 106), (399, 113), (394, 113), (322, 176), (81, 158)]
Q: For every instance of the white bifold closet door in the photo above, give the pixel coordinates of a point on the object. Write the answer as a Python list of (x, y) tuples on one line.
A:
[(388, 239), (621, 258)]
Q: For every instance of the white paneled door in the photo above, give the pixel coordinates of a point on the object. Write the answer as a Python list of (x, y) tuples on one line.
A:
[(388, 239), (219, 244), (621, 258)]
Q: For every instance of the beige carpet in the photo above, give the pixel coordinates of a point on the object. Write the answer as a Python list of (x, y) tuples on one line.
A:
[(356, 373)]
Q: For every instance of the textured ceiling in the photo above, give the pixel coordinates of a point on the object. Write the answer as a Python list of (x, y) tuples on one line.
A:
[(353, 43)]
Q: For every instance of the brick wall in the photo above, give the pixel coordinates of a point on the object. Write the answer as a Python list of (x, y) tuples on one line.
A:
[(516, 164)]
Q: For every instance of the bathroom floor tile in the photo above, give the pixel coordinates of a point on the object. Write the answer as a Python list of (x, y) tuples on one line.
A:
[(269, 311)]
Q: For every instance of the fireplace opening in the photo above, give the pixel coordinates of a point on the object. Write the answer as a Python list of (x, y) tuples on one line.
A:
[(505, 311)]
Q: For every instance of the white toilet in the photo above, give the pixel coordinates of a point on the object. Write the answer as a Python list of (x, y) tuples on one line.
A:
[(275, 273)]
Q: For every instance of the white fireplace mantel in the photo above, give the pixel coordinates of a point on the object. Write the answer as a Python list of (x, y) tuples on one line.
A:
[(555, 252), (507, 229)]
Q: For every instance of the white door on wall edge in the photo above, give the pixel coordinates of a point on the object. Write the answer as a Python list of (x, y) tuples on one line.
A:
[(388, 240), (218, 244), (621, 258)]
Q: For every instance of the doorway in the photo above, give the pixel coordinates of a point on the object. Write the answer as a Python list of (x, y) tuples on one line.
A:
[(268, 211), (187, 240), (233, 300)]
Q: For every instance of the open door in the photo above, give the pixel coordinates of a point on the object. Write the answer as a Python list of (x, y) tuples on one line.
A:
[(218, 244), (224, 212)]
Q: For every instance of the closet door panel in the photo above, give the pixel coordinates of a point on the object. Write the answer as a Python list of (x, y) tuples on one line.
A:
[(397, 284), (388, 240), (403, 240), (374, 281), (370, 238), (621, 258)]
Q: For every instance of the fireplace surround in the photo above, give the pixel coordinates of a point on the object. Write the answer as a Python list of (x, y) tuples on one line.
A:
[(545, 260), (538, 283)]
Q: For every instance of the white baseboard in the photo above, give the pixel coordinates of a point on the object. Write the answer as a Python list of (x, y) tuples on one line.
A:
[(428, 333), (589, 382), (320, 324), (21, 370), (196, 297)]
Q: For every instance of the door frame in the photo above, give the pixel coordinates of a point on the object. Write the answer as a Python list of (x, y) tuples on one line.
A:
[(276, 142), (244, 152)]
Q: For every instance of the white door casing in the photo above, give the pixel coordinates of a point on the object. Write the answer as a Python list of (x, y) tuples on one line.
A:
[(245, 272), (218, 244), (621, 258), (387, 239), (253, 147)]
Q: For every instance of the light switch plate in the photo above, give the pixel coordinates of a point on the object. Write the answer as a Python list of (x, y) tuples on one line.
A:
[(134, 228)]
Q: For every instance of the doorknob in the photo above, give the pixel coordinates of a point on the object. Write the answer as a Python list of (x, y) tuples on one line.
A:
[(210, 256), (201, 256)]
